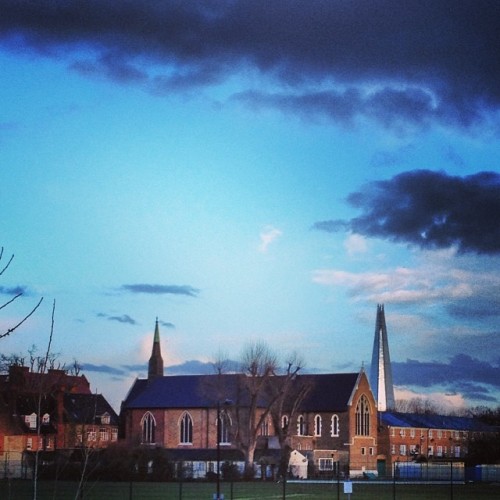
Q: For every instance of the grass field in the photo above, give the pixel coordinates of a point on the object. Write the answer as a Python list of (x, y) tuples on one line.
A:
[(21, 490)]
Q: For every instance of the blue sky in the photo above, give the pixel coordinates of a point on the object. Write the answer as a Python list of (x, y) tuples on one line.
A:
[(250, 171)]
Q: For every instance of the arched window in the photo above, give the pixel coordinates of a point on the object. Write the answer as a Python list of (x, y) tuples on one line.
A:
[(284, 422), (186, 429), (301, 426), (265, 426), (317, 425), (335, 425), (148, 424), (363, 417), (225, 426)]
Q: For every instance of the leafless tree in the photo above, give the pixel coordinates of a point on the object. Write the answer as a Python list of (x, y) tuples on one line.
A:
[(15, 297), (290, 391), (264, 393)]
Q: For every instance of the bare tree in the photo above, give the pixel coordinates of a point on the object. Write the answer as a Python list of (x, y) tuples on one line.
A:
[(16, 295), (42, 370), (265, 392), (290, 391)]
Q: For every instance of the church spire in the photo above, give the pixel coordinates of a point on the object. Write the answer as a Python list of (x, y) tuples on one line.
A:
[(381, 371), (155, 366)]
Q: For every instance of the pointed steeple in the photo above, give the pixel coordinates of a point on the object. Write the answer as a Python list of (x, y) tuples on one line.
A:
[(155, 366), (381, 370)]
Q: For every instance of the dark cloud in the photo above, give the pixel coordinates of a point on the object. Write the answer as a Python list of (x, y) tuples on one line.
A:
[(110, 370), (430, 210), (398, 62), (469, 376), (124, 318), (167, 324), (14, 290), (162, 289)]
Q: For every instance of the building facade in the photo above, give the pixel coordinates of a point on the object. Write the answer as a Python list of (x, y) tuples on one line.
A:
[(49, 413), (333, 424), (422, 438)]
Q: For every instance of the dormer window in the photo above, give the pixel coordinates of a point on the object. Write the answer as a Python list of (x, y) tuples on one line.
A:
[(46, 419), (30, 420), (105, 419)]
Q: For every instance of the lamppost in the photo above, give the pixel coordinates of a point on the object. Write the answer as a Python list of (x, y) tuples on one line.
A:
[(227, 402)]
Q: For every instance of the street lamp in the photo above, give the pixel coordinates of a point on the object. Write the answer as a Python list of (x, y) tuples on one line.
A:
[(227, 402)]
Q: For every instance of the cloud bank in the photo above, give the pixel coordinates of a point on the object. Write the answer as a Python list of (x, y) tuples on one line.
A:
[(161, 289), (430, 210), (399, 63)]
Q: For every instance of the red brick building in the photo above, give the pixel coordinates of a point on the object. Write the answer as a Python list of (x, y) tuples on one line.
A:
[(334, 424), (412, 437), (50, 412)]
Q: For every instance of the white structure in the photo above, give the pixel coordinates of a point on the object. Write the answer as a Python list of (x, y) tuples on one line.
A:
[(381, 371)]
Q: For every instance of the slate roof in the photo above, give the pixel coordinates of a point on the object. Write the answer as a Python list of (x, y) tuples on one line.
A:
[(444, 422), (329, 392), (87, 409)]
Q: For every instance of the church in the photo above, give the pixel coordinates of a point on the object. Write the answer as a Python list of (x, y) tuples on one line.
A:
[(327, 421)]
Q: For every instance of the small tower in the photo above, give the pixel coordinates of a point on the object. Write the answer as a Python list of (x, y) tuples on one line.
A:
[(155, 366), (381, 371)]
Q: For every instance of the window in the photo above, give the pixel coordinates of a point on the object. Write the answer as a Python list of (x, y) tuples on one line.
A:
[(439, 451), (413, 449), (91, 436), (30, 420), (186, 429), (103, 434), (393, 449), (457, 452), (402, 432), (402, 449), (363, 450), (46, 419), (363, 417), (335, 425), (264, 427), (114, 434), (301, 426), (430, 434), (325, 464), (412, 433), (440, 434), (430, 451), (29, 443), (393, 431), (317, 425), (225, 425), (105, 419), (148, 424), (371, 450), (284, 422)]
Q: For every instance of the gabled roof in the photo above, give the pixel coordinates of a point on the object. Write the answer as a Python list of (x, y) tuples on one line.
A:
[(328, 392), (182, 391), (87, 409), (445, 422)]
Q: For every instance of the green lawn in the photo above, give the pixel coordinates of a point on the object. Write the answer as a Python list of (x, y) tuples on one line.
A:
[(20, 490)]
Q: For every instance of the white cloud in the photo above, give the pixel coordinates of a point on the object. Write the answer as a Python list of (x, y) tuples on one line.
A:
[(443, 401), (267, 236), (355, 244), (403, 285)]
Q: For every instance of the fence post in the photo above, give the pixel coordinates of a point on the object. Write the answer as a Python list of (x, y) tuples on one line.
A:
[(451, 480)]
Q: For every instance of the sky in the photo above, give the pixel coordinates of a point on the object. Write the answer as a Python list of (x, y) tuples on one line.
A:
[(254, 171)]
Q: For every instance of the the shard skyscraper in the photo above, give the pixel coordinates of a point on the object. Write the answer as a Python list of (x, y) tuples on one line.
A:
[(381, 371)]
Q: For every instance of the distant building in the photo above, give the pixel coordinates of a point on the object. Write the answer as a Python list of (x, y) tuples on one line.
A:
[(334, 427), (381, 370), (413, 437), (49, 412)]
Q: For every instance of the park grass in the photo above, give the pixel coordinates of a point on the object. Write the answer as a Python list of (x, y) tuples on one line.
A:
[(64, 490)]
